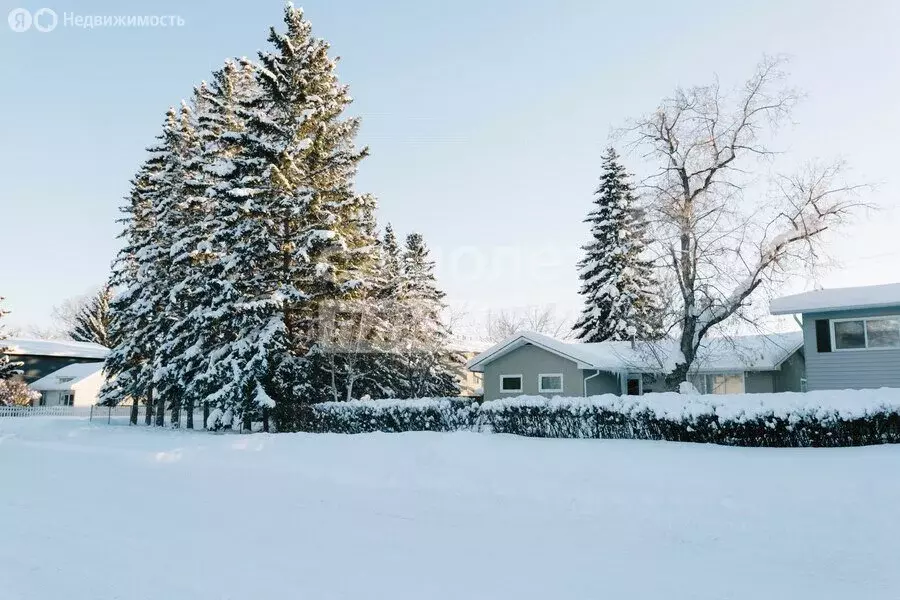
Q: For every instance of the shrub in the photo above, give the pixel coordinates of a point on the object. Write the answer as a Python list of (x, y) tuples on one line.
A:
[(843, 418), (839, 418), (14, 392), (390, 416)]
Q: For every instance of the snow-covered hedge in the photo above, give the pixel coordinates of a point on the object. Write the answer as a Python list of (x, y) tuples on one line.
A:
[(834, 418), (391, 416)]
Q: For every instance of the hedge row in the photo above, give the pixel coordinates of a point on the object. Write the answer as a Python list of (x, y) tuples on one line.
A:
[(389, 416), (845, 418)]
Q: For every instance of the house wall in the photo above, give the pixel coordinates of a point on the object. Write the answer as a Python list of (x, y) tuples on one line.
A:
[(604, 383), (87, 391), (529, 361), (35, 367), (759, 382), (849, 369), (793, 370)]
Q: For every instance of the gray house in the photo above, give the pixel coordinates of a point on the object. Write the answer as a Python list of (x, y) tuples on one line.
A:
[(851, 335), (534, 364), (42, 357)]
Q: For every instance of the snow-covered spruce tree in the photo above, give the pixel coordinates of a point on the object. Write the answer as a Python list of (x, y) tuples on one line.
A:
[(128, 365), (427, 367), (196, 335), (619, 289), (297, 245), (91, 321), (142, 270), (8, 368)]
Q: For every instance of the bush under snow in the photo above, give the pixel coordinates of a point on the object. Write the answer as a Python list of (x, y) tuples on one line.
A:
[(826, 418), (390, 416)]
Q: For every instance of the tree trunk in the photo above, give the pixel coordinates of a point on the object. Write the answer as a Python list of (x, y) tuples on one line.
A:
[(135, 408), (189, 419), (148, 414), (176, 411), (265, 418), (161, 411), (205, 413)]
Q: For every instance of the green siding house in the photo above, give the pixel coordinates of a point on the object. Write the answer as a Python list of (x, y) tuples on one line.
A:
[(533, 364), (851, 335)]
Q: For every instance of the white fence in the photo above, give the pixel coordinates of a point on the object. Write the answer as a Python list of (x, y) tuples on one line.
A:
[(94, 413)]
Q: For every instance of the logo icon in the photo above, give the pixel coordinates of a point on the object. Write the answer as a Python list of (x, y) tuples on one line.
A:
[(45, 20), (19, 20)]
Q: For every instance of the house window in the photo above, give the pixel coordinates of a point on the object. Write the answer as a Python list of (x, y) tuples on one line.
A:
[(634, 386), (725, 383), (862, 334), (66, 399), (550, 382), (510, 383)]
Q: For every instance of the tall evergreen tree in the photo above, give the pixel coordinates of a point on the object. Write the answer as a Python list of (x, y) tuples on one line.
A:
[(196, 334), (91, 321), (298, 244), (8, 368), (427, 366), (142, 271), (620, 292)]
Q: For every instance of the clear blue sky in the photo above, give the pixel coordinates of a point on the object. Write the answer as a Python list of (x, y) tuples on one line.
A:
[(486, 121)]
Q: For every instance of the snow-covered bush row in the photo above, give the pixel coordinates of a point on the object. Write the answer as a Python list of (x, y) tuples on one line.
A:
[(836, 418), (390, 416), (826, 418)]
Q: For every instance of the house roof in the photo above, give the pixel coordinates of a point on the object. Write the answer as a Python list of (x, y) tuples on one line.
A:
[(68, 377), (740, 353), (68, 348), (869, 296)]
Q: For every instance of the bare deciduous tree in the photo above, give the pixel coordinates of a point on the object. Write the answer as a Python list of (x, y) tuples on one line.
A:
[(720, 238), (539, 319)]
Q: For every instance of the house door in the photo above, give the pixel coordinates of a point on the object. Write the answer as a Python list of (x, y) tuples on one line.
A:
[(633, 386)]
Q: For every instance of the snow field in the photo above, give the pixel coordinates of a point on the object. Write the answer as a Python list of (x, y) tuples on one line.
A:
[(96, 512)]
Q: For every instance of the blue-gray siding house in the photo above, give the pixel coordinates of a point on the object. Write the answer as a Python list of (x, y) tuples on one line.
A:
[(851, 335), (533, 364)]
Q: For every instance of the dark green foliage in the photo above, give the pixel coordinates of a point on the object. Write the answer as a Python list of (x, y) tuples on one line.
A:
[(433, 414), (593, 422), (584, 420)]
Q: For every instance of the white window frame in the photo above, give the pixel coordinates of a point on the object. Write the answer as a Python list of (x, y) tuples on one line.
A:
[(510, 376), (834, 347), (543, 390)]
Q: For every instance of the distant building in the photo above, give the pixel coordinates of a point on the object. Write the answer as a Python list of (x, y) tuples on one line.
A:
[(43, 357), (851, 335), (534, 364), (77, 384)]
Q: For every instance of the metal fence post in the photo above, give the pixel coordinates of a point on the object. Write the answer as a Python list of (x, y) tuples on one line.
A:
[(108, 414), (92, 413)]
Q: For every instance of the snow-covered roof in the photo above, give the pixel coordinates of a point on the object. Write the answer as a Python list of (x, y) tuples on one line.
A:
[(68, 377), (34, 347), (740, 353), (869, 296)]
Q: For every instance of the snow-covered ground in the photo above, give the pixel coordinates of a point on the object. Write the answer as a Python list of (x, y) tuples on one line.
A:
[(96, 512)]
